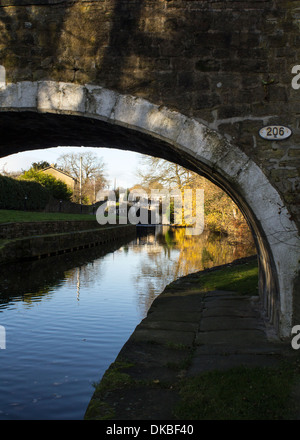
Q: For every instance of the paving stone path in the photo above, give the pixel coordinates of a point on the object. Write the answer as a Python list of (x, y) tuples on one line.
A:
[(186, 332)]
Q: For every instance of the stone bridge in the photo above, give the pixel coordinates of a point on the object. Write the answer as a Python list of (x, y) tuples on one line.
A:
[(186, 80)]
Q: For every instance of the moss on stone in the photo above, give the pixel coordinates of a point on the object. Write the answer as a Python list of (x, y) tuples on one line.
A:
[(98, 410), (114, 378)]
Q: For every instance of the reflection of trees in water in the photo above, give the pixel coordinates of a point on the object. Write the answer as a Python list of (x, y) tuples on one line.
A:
[(85, 274), (198, 252), (156, 270), (175, 254), (33, 281), (163, 257), (37, 280)]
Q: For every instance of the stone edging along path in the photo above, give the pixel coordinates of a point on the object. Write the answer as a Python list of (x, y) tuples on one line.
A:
[(186, 332)]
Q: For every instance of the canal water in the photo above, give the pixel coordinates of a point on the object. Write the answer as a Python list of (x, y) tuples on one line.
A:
[(67, 317)]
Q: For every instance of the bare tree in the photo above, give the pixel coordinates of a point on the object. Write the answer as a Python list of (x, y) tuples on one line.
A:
[(155, 172), (13, 174), (221, 213), (93, 176)]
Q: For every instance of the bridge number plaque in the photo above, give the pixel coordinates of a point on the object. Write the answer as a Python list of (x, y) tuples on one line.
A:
[(275, 132)]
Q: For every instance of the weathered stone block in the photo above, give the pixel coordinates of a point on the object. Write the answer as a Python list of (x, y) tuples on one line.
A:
[(294, 152)]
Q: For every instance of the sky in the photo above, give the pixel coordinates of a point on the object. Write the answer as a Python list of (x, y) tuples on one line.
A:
[(121, 165)]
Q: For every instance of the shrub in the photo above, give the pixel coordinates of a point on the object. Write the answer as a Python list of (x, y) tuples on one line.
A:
[(57, 188)]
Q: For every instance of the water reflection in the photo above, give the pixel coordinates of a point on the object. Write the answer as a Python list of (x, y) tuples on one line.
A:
[(32, 281), (164, 255), (171, 253), (67, 317)]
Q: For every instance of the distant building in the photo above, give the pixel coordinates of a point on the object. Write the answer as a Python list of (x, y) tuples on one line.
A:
[(61, 175)]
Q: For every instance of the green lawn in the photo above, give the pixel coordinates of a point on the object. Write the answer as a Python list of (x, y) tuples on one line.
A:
[(10, 216)]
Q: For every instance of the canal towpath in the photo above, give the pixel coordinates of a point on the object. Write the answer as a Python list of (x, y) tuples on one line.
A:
[(185, 333)]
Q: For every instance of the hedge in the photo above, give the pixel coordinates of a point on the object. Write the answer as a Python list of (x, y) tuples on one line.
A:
[(13, 193)]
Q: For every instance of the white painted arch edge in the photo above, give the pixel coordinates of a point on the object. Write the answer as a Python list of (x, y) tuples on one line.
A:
[(191, 137)]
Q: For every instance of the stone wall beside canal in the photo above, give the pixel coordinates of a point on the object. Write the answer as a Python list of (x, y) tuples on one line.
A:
[(26, 229), (49, 244)]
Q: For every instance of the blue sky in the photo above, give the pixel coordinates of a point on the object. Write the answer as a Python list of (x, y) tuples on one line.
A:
[(120, 165)]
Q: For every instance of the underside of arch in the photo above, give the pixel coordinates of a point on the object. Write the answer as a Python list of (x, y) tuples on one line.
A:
[(49, 114)]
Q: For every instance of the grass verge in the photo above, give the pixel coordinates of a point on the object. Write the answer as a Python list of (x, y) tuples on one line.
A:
[(242, 279), (10, 216), (240, 393)]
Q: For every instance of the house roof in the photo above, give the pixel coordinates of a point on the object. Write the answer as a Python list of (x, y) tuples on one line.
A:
[(59, 171)]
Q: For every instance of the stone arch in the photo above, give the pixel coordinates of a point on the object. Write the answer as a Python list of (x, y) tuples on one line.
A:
[(108, 118)]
